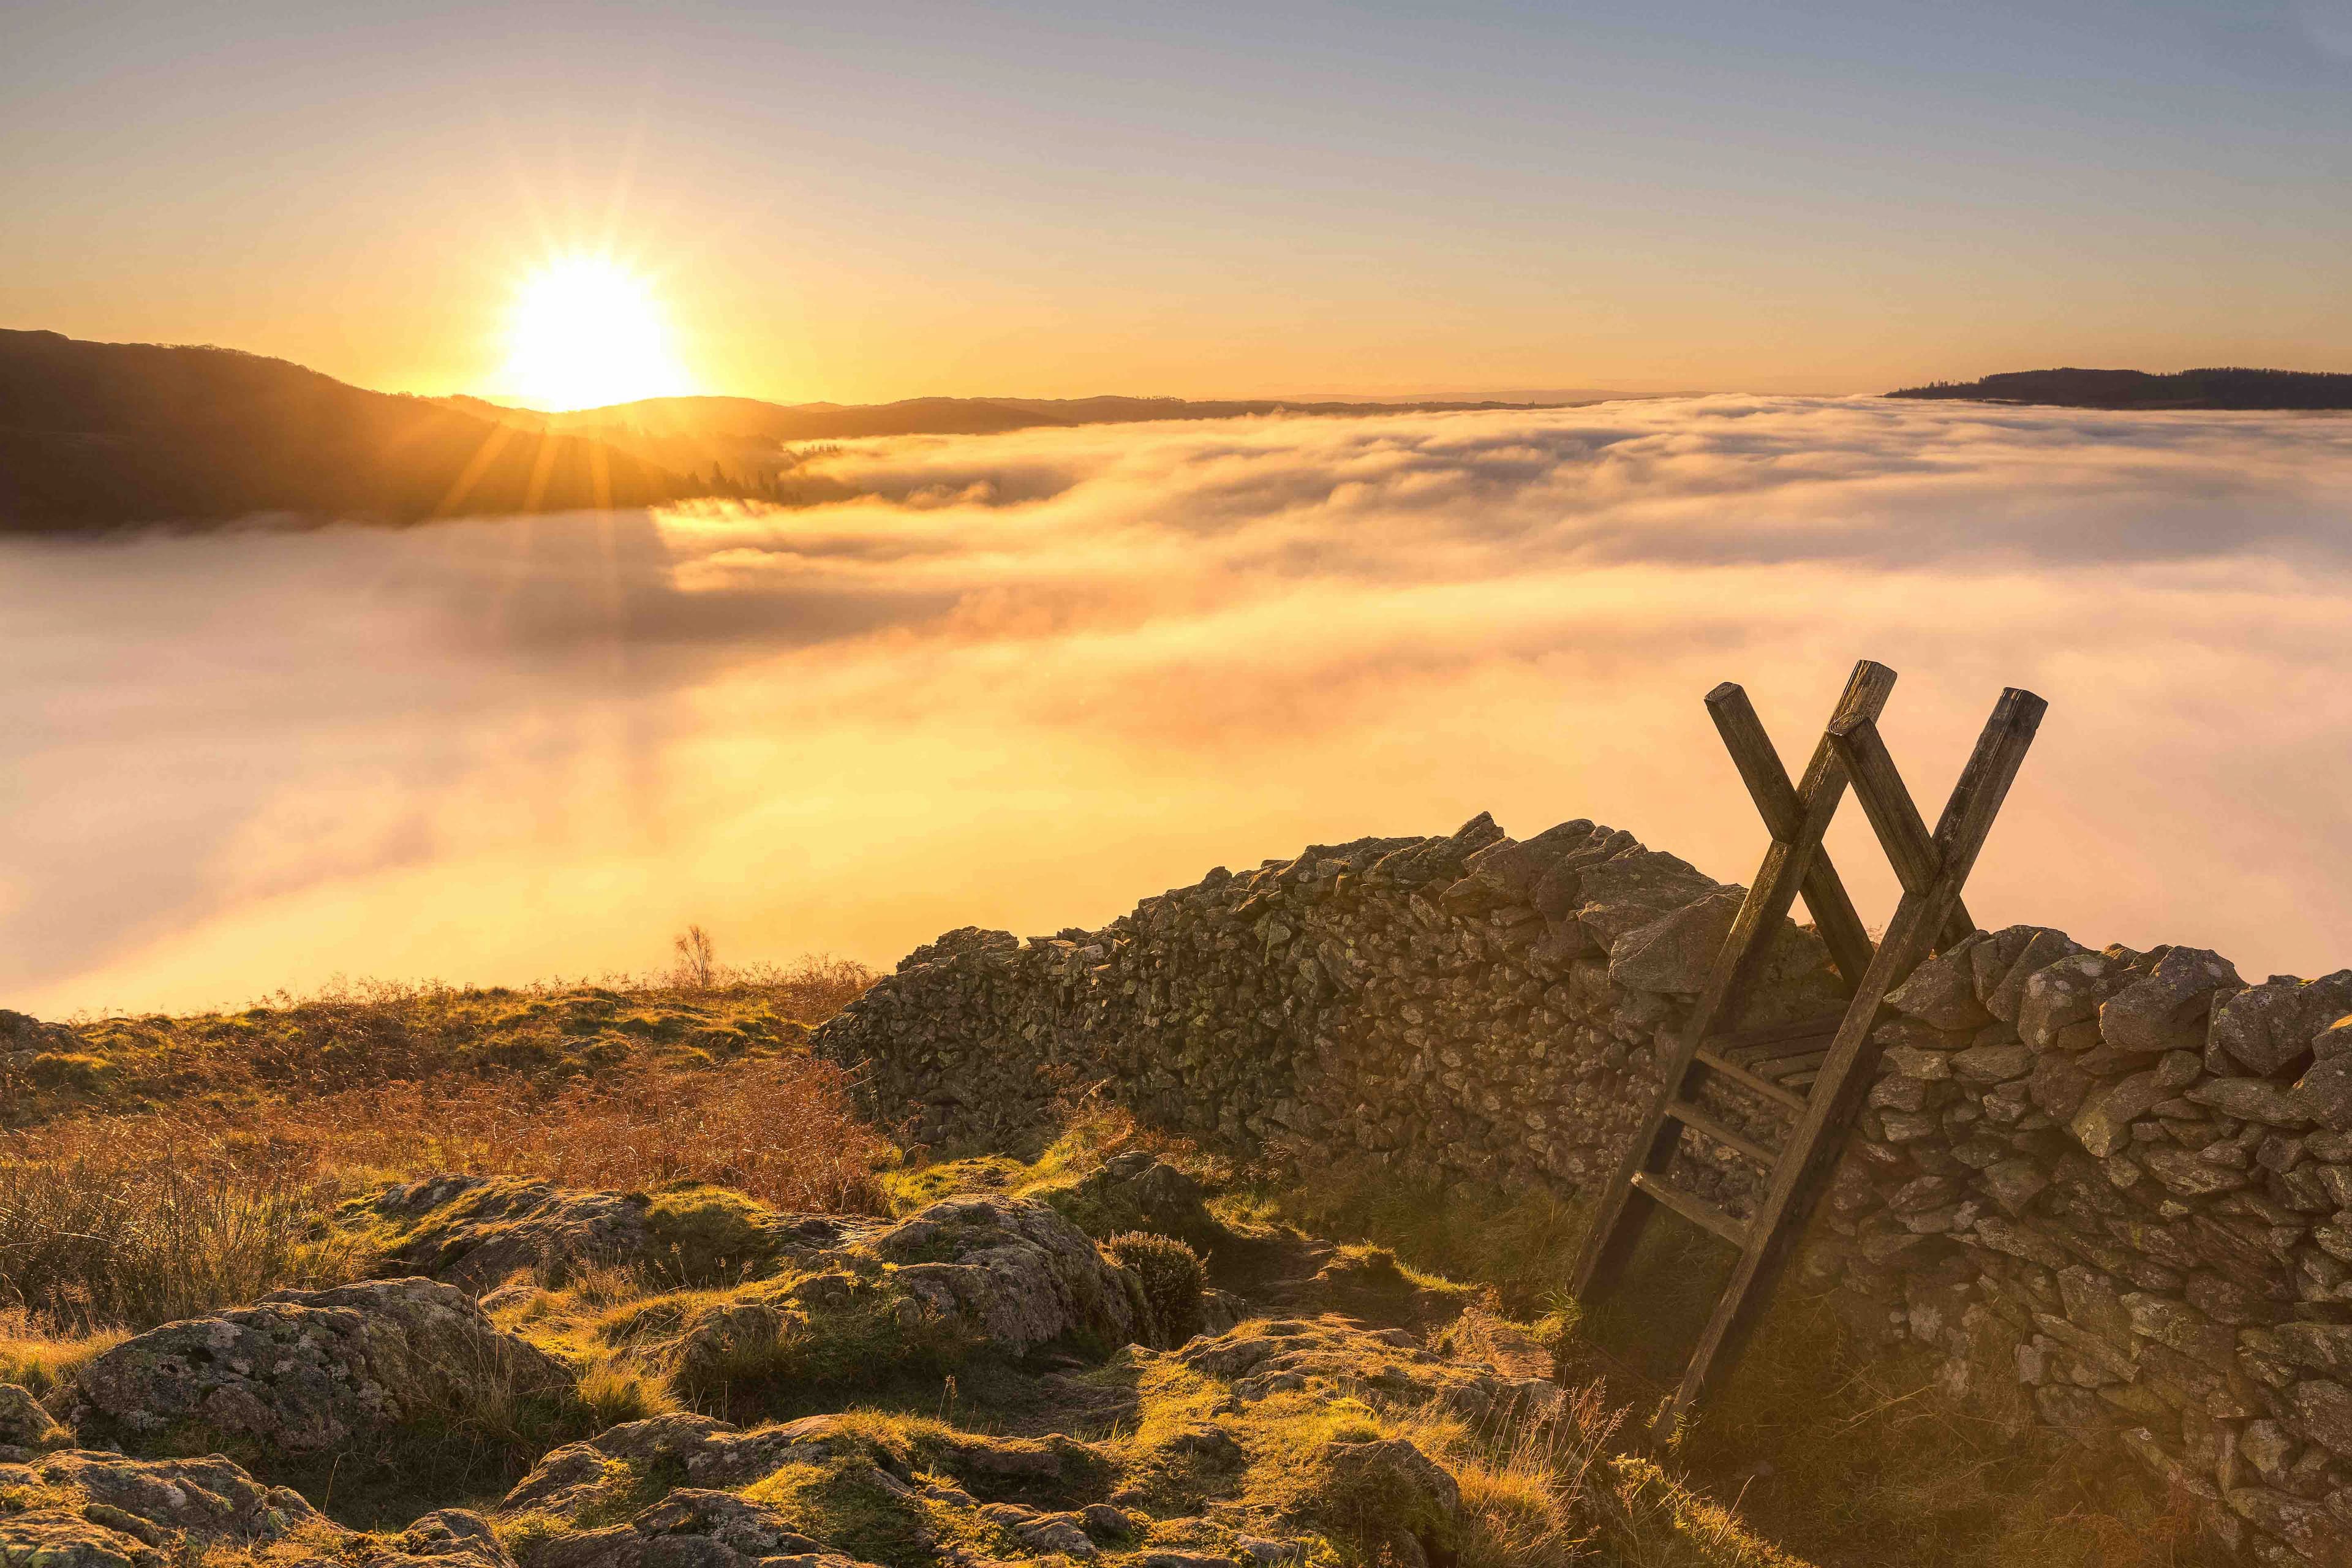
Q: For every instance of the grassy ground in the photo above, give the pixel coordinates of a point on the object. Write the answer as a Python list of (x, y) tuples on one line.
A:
[(154, 1168), (161, 1167), (287, 1050)]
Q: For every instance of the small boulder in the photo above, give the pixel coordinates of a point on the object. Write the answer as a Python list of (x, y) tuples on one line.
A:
[(1941, 991), (1635, 888), (24, 1426), (1013, 1269), (2323, 1094), (2103, 1126), (303, 1371), (1136, 1189)]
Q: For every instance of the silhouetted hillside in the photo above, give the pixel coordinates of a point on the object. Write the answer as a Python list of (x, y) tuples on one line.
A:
[(105, 435), (2227, 387)]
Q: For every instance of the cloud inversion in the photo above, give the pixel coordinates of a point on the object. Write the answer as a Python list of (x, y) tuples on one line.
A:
[(1026, 678)]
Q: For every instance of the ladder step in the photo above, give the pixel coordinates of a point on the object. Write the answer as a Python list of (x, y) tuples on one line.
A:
[(1805, 1028), (1696, 1210), (1750, 1081), (1782, 1069), (1761, 1059), (1695, 1118)]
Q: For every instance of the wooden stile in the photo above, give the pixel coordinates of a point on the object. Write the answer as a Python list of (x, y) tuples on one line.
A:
[(1817, 1069)]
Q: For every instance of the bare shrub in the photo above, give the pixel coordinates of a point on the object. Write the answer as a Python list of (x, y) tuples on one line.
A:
[(696, 968)]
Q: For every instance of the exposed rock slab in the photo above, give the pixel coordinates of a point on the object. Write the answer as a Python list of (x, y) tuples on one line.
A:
[(304, 1371)]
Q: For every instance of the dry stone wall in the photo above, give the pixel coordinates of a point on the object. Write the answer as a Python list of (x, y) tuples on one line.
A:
[(2112, 1189), (1469, 1008)]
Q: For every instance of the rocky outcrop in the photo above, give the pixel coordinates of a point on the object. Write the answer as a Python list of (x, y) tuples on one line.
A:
[(103, 1511), (25, 1428), (305, 1370), (979, 1274), (1471, 1008), (1254, 1447), (895, 1485), (84, 1509), (477, 1232)]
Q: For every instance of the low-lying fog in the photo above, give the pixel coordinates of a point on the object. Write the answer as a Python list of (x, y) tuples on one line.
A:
[(1037, 676)]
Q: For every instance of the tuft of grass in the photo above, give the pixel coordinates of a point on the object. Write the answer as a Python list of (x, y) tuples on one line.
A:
[(705, 1235), (1171, 1277), (34, 1353), (613, 1392)]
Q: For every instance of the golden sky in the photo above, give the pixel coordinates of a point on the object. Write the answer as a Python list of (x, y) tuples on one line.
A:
[(1050, 199)]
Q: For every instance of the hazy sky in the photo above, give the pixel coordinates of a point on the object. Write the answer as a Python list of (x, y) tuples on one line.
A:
[(889, 199)]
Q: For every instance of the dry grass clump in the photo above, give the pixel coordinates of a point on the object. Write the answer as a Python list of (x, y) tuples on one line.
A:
[(137, 1220), (779, 1129), (36, 1354), (100, 1230), (1172, 1280)]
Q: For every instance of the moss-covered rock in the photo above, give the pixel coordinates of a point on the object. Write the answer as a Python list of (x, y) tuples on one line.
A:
[(25, 1428), (302, 1371), (475, 1232), (1134, 1190), (77, 1509)]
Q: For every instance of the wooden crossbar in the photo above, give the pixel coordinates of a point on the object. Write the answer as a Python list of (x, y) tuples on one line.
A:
[(1817, 1069)]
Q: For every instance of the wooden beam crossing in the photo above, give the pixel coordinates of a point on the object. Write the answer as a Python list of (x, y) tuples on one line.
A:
[(1820, 1069)]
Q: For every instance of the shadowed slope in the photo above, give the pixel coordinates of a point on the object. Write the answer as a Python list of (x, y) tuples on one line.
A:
[(105, 435)]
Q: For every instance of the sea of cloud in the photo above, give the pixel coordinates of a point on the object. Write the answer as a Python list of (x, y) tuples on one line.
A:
[(1020, 681)]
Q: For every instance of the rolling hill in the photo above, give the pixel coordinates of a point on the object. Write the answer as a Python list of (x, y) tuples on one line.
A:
[(97, 435)]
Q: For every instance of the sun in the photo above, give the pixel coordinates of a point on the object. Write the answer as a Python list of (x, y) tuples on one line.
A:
[(585, 331)]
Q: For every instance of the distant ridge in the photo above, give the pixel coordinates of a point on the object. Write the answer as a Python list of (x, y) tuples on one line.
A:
[(722, 417), (97, 435), (2223, 387), (744, 441)]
